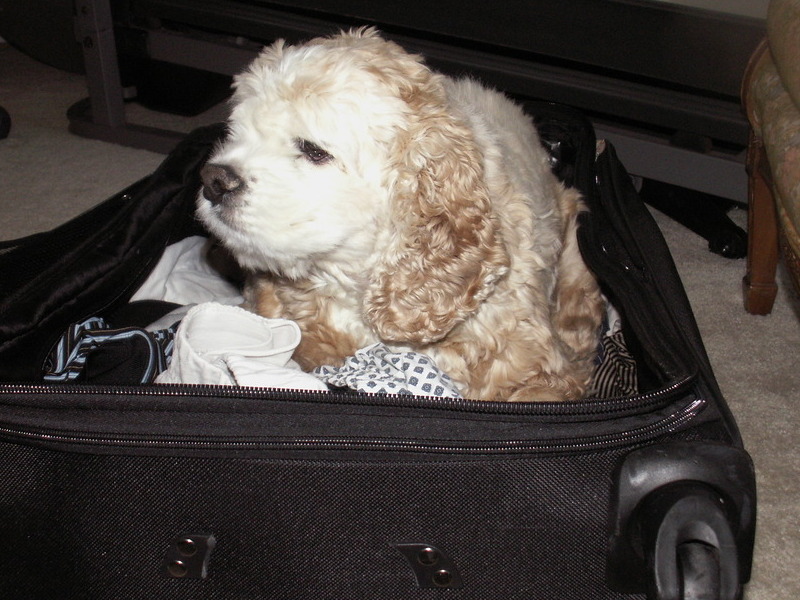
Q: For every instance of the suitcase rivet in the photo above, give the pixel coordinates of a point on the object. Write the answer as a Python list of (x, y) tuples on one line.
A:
[(442, 578), (432, 567), (177, 569), (187, 547), (188, 555), (428, 556)]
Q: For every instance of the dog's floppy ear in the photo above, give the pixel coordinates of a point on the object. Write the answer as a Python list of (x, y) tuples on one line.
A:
[(446, 253)]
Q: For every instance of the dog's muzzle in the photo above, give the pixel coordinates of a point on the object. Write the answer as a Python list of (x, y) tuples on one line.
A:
[(220, 183)]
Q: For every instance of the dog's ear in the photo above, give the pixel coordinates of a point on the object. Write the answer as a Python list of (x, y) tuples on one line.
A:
[(446, 253)]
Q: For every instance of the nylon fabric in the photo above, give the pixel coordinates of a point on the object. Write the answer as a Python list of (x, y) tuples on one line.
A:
[(520, 528)]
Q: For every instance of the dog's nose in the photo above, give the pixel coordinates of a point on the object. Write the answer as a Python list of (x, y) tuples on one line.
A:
[(220, 182)]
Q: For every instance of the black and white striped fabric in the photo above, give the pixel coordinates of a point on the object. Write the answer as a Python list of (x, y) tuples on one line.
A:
[(615, 373), (93, 351)]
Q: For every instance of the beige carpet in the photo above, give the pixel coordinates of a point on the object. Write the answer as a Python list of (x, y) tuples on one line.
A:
[(48, 175)]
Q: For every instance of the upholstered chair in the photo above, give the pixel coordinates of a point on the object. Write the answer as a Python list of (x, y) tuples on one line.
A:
[(771, 98)]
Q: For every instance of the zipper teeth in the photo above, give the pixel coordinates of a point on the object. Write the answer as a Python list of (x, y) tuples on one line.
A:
[(666, 425), (576, 409)]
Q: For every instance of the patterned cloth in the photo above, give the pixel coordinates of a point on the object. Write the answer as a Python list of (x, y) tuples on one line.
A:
[(615, 373), (776, 120), (92, 351), (772, 102), (377, 370)]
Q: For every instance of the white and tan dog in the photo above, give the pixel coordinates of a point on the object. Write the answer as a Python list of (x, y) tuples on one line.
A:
[(375, 200)]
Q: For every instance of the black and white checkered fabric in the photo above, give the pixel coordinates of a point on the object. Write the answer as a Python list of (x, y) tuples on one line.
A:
[(377, 370)]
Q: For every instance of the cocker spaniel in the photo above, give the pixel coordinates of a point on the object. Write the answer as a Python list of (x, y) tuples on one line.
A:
[(371, 199)]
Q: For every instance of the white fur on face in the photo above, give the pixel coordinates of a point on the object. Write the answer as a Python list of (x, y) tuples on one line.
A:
[(294, 212)]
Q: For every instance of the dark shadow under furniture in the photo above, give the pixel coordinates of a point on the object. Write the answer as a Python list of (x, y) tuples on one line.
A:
[(660, 81), (5, 123)]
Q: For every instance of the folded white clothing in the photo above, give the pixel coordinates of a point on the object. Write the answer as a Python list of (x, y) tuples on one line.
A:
[(184, 276), (256, 373), (227, 345)]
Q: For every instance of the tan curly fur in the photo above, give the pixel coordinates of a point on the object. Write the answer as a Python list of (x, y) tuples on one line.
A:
[(430, 219)]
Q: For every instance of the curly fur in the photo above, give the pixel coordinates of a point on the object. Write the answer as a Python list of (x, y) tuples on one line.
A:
[(375, 200)]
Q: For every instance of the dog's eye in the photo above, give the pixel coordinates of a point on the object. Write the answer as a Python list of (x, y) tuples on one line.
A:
[(313, 153)]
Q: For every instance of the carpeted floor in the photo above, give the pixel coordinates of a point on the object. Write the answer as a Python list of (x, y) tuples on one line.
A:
[(48, 175)]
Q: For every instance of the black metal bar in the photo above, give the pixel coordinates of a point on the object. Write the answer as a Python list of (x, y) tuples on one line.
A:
[(102, 115), (95, 32)]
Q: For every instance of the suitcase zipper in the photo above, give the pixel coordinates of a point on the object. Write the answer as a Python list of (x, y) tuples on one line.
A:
[(589, 407), (672, 422)]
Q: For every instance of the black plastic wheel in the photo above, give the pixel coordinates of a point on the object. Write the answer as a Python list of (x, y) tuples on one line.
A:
[(699, 568)]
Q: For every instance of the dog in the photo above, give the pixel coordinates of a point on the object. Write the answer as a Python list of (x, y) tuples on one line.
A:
[(372, 199)]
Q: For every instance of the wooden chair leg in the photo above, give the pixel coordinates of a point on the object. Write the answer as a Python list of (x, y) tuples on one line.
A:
[(762, 231)]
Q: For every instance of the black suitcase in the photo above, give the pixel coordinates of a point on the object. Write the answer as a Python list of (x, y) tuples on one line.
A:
[(203, 492)]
